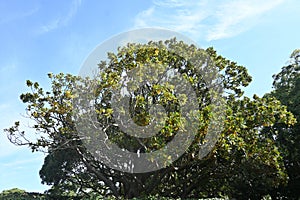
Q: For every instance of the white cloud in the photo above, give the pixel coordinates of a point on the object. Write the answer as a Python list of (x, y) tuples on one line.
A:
[(61, 21), (238, 16), (16, 16), (210, 20), (8, 68), (21, 162)]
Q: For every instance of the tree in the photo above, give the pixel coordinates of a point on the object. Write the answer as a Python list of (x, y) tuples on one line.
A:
[(18, 194), (242, 164), (287, 89)]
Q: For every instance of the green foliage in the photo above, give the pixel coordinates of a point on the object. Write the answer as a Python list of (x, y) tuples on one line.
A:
[(287, 89), (243, 164), (18, 194)]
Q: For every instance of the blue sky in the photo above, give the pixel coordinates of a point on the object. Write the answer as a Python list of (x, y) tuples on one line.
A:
[(37, 37)]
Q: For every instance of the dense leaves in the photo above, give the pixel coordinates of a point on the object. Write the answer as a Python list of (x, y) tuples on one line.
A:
[(17, 194), (244, 163), (287, 89)]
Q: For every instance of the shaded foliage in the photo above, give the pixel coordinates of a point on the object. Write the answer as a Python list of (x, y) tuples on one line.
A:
[(287, 89)]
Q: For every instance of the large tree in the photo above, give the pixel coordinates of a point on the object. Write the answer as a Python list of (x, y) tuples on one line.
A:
[(287, 89), (243, 163)]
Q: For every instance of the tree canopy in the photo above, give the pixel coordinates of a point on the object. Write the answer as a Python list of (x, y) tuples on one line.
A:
[(287, 89), (18, 194), (244, 163)]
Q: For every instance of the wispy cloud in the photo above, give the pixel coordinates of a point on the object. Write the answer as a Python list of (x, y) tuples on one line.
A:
[(16, 16), (211, 20), (238, 16), (8, 68), (61, 21), (19, 162)]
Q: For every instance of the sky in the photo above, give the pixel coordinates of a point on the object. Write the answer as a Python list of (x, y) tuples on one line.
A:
[(38, 37)]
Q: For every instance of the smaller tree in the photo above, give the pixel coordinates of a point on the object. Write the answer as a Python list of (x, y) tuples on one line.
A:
[(18, 194), (287, 89)]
